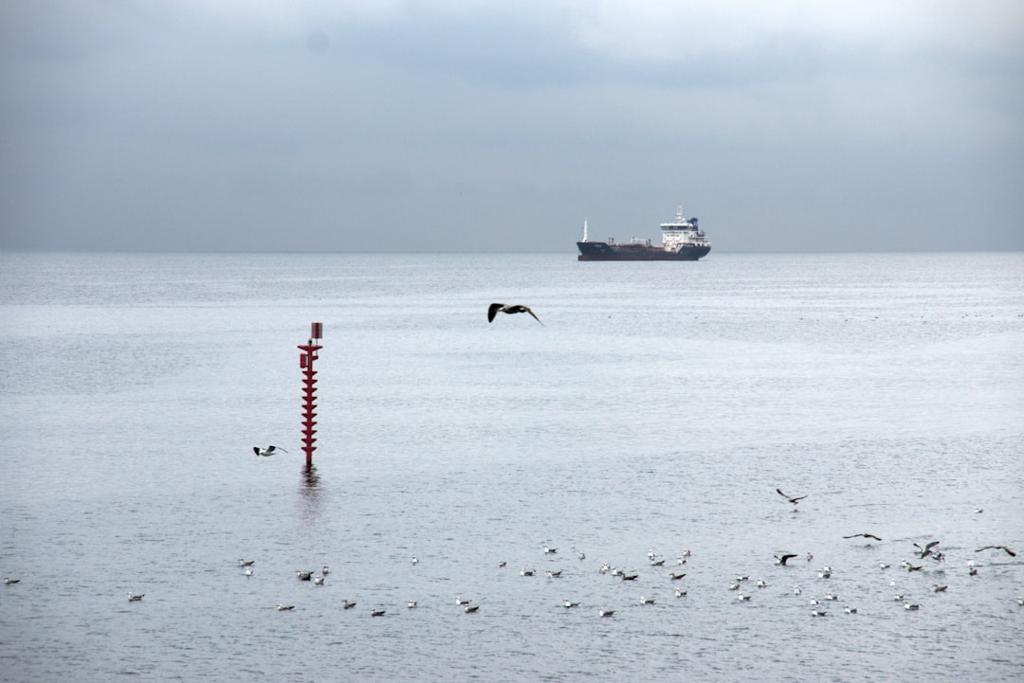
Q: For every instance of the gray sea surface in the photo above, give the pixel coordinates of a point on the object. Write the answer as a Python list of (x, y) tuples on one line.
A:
[(656, 410)]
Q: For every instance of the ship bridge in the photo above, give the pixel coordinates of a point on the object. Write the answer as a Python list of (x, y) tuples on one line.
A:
[(682, 232)]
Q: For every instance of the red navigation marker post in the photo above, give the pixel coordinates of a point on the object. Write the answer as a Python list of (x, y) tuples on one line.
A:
[(306, 357)]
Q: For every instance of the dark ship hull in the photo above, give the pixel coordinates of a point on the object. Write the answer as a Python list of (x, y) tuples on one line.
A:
[(602, 251)]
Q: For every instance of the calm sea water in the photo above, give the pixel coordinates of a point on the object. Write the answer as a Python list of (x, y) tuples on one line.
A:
[(656, 410)]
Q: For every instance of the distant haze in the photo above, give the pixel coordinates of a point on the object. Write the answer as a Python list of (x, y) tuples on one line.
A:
[(486, 126)]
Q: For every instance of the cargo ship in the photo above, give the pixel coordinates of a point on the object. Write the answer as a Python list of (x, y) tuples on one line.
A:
[(681, 240)]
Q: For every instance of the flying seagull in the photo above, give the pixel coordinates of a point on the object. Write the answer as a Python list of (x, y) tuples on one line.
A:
[(784, 559), (268, 451), (494, 309), (997, 547), (927, 549), (792, 499), (864, 536)]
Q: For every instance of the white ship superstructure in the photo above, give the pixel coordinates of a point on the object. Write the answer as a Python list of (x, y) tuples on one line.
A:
[(682, 232)]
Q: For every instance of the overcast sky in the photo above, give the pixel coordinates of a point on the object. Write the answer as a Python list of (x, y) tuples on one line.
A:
[(396, 125)]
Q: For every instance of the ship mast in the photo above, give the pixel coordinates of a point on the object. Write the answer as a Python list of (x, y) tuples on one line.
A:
[(584, 229)]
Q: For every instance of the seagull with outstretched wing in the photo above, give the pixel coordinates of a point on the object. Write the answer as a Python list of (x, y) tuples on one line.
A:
[(511, 309), (781, 560), (792, 499)]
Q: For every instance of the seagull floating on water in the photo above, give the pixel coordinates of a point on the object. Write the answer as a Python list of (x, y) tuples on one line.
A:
[(347, 605), (304, 576), (554, 574), (284, 608), (675, 577), (248, 571), (850, 610), (461, 601), (913, 607), (526, 572), (378, 612), (135, 597), (680, 593), (268, 451), (569, 604), (470, 609), (9, 581), (511, 309), (318, 581), (246, 563), (997, 547), (646, 601), (936, 588), (606, 612), (411, 604)]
